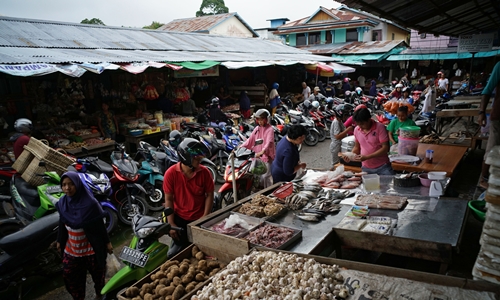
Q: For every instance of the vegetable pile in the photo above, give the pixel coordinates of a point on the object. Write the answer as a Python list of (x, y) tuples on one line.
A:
[(270, 275), (175, 279)]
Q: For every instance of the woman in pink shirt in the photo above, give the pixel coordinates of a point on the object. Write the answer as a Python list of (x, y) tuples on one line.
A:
[(372, 144), (265, 151)]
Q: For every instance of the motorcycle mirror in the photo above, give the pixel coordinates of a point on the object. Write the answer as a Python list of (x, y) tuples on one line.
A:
[(258, 142)]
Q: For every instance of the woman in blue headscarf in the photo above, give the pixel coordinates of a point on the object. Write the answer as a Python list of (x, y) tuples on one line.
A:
[(82, 237)]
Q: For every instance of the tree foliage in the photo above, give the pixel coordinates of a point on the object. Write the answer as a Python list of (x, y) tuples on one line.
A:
[(94, 21), (154, 25), (212, 7)]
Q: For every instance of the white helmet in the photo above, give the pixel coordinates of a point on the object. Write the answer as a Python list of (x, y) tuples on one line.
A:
[(315, 104), (399, 85), (23, 125), (359, 90), (263, 113)]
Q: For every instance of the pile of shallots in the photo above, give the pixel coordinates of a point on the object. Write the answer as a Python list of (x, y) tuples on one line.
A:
[(275, 275)]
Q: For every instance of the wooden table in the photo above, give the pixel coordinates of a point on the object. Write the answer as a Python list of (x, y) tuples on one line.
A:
[(446, 158)]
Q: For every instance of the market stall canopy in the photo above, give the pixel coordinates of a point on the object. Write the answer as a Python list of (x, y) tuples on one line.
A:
[(31, 43), (439, 54), (445, 17), (328, 70)]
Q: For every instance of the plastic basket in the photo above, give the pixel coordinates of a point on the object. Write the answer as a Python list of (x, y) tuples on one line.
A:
[(476, 206), (30, 174), (23, 161)]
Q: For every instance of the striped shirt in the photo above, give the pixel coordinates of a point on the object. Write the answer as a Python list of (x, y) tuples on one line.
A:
[(78, 244)]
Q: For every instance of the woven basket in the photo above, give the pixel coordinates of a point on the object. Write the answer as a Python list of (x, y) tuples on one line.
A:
[(23, 161), (47, 154), (30, 174)]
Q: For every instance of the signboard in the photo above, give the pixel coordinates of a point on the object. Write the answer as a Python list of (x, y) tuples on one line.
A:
[(134, 256), (475, 42), (186, 73)]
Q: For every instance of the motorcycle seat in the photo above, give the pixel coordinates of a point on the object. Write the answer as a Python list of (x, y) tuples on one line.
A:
[(27, 192), (104, 166), (29, 235), (160, 155)]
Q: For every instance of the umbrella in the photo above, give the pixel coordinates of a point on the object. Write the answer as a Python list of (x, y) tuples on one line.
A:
[(338, 68), (328, 70)]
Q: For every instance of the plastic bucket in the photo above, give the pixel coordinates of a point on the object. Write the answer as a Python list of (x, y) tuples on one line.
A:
[(408, 146)]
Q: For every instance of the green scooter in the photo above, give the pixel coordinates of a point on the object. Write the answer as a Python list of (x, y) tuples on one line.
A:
[(144, 254)]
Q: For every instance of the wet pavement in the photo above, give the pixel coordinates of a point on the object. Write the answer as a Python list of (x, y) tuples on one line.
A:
[(463, 186)]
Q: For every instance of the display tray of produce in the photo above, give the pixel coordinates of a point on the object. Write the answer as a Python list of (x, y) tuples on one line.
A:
[(273, 236), (232, 224), (178, 277), (98, 143), (381, 201), (262, 206)]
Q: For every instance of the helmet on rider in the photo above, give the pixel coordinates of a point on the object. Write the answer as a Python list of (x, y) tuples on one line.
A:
[(347, 79), (307, 104), (329, 100), (276, 85), (315, 104), (359, 90), (360, 107), (190, 149), (406, 89), (262, 114), (215, 101), (399, 85), (23, 125), (175, 138)]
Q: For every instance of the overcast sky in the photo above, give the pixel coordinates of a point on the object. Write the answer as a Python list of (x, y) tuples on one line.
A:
[(135, 13)]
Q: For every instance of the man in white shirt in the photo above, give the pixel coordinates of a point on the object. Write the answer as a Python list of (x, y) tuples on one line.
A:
[(443, 83), (306, 91), (362, 81)]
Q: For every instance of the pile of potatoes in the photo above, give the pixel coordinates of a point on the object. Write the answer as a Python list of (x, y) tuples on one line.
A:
[(175, 279)]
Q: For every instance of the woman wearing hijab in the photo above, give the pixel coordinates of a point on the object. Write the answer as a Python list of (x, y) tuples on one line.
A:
[(82, 237), (244, 105)]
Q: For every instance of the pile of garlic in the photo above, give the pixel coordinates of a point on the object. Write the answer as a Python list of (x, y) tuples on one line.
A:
[(275, 275)]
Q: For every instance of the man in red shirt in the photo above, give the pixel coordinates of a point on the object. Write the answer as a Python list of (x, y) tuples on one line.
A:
[(189, 190), (24, 127)]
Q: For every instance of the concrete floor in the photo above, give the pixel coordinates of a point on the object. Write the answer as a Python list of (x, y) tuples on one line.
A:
[(463, 186)]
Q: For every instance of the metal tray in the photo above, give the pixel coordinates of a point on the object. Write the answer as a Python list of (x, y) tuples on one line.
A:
[(252, 221), (295, 237)]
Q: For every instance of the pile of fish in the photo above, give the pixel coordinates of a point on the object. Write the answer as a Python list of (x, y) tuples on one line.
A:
[(346, 180), (326, 202), (301, 195)]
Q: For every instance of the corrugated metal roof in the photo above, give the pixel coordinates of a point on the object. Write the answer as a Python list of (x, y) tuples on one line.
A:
[(30, 41), (447, 17), (19, 55)]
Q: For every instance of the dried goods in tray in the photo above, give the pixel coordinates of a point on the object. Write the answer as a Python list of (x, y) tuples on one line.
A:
[(262, 206), (381, 201), (271, 236)]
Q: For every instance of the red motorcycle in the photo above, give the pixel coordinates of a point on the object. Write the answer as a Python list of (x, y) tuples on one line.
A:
[(381, 99), (126, 188), (318, 117), (244, 179)]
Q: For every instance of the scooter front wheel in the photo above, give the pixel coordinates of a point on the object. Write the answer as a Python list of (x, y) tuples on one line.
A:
[(312, 138), (322, 134), (156, 198), (127, 210)]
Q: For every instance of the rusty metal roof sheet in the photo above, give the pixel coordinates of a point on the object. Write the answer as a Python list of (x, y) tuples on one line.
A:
[(30, 41), (355, 47), (203, 24)]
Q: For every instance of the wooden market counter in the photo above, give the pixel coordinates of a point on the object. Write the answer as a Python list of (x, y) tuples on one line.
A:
[(446, 158), (428, 229)]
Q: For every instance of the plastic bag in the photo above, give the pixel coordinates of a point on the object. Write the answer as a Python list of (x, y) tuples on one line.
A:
[(258, 167), (112, 265)]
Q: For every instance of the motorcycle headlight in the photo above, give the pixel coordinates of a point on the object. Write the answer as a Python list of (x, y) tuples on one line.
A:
[(144, 232), (130, 176)]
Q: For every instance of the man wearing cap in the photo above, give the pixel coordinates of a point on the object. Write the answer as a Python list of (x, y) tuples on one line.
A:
[(316, 96)]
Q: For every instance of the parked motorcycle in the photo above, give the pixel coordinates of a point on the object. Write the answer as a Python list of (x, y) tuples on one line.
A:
[(27, 252), (29, 203), (151, 174), (312, 137), (244, 179), (93, 173), (6, 174), (125, 186), (144, 254)]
